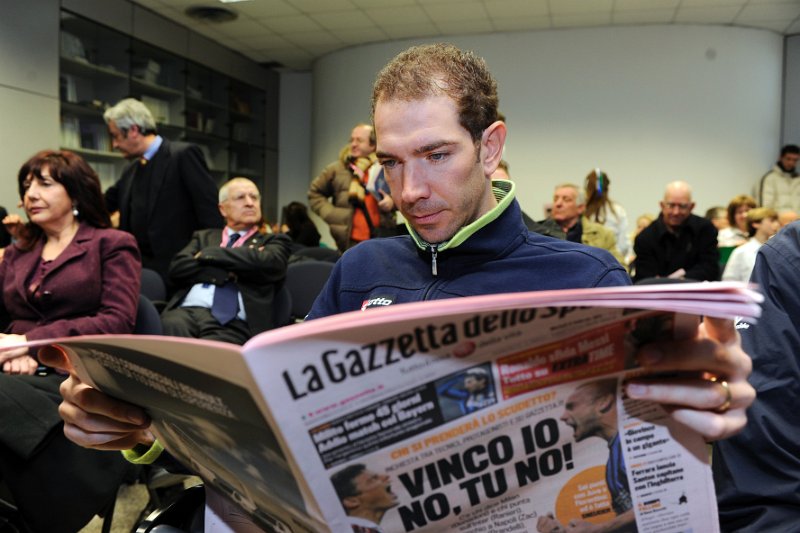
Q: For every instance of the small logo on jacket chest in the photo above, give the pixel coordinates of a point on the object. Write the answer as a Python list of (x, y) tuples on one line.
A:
[(377, 301)]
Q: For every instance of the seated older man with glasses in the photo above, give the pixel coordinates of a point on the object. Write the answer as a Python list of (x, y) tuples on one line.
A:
[(677, 244)]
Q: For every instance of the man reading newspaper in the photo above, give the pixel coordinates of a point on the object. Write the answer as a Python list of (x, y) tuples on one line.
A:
[(439, 141)]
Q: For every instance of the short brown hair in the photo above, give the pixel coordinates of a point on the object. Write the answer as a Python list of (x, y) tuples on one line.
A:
[(758, 214), (736, 203), (442, 69)]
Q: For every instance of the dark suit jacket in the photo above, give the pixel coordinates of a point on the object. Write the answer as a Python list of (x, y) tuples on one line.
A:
[(183, 199), (92, 287), (660, 252), (258, 267)]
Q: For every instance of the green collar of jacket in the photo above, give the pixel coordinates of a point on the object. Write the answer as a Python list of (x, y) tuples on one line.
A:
[(504, 192)]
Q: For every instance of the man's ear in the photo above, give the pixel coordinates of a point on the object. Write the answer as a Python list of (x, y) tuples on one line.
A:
[(350, 502), (607, 402), (221, 210), (492, 142)]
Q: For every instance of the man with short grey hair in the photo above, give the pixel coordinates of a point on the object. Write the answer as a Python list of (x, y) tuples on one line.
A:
[(569, 203), (227, 280), (165, 194)]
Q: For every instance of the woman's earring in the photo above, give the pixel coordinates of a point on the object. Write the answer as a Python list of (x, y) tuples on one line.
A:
[(75, 212)]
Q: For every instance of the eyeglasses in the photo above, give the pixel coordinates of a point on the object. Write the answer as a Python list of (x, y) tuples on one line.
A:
[(673, 205)]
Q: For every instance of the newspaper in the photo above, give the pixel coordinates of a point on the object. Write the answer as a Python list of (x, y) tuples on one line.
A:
[(493, 413)]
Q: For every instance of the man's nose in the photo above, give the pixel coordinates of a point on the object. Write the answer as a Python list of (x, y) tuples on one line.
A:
[(415, 185)]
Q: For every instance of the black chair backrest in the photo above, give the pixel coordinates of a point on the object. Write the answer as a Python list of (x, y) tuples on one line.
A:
[(148, 321), (318, 253), (305, 280), (282, 307), (153, 286)]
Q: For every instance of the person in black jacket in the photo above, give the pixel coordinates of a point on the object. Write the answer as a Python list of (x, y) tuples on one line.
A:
[(242, 260), (299, 226), (677, 244), (165, 194)]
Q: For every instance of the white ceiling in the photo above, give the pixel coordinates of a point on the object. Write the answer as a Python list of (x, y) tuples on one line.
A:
[(295, 32)]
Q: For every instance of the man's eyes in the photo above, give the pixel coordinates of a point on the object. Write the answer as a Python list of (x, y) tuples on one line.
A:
[(434, 156)]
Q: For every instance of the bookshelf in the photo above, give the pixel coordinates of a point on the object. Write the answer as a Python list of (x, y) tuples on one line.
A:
[(100, 66)]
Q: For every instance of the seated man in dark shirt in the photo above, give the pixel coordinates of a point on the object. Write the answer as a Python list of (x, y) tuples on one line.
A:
[(227, 280), (677, 244)]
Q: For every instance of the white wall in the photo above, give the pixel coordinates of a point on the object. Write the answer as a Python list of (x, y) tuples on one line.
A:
[(294, 130), (791, 92), (647, 104), (28, 88)]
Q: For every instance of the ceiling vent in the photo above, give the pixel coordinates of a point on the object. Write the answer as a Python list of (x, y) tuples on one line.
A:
[(216, 15)]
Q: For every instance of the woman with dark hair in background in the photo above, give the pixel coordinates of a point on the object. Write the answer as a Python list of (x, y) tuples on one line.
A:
[(299, 225), (67, 274), (602, 209)]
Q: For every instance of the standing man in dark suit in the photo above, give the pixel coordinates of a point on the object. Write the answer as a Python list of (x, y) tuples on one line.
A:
[(165, 194), (227, 280)]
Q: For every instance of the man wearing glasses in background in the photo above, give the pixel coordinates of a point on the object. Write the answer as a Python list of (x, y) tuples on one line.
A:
[(677, 244)]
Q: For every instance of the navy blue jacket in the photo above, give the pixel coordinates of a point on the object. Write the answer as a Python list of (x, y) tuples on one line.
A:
[(757, 472), (503, 256)]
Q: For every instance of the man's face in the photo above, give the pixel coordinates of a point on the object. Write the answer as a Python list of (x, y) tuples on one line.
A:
[(789, 161), (474, 384), (432, 166), (374, 491), (566, 209), (242, 209), (582, 414), (359, 142), (768, 226), (128, 142), (676, 207)]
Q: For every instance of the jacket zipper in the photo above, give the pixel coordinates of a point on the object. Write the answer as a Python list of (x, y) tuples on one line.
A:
[(434, 251)]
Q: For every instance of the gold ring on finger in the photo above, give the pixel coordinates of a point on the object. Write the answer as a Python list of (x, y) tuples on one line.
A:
[(725, 405)]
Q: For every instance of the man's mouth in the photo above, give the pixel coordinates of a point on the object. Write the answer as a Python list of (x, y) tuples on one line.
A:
[(425, 218)]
